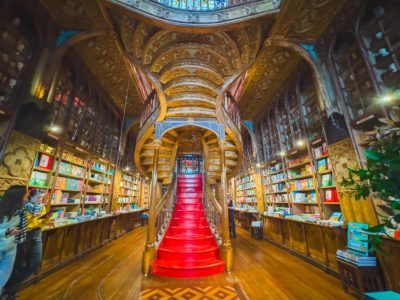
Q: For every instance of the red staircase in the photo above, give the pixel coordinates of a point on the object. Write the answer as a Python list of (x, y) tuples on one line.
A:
[(188, 248)]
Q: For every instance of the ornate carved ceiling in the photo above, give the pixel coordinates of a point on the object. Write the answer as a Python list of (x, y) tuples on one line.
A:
[(101, 54), (191, 68), (300, 21)]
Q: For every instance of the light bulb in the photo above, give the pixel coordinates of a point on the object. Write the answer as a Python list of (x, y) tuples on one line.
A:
[(300, 143)]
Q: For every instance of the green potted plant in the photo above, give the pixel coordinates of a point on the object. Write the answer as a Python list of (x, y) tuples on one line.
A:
[(381, 178)]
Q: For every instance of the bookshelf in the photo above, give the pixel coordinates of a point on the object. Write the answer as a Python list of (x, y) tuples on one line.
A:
[(145, 193), (297, 175), (129, 191), (246, 196), (68, 187), (78, 183)]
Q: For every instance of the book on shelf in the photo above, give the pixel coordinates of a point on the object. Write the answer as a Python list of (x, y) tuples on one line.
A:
[(331, 195), (326, 180), (302, 184), (305, 197), (43, 161), (321, 150), (38, 179), (336, 216), (322, 165)]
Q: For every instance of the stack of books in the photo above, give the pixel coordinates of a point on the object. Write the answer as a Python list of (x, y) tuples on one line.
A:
[(356, 258)]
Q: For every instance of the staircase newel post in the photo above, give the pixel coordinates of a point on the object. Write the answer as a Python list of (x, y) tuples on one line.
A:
[(226, 247), (150, 249)]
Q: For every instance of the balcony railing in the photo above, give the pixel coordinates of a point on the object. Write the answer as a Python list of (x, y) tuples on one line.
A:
[(231, 108), (202, 5), (150, 105)]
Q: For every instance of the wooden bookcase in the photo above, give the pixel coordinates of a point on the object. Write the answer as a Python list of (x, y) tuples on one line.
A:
[(129, 192), (297, 175), (78, 182), (246, 196)]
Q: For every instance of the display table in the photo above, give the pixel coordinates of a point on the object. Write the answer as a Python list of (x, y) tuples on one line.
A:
[(360, 279), (64, 244), (243, 218), (314, 242)]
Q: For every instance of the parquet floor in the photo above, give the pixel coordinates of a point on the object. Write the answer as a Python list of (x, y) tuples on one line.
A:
[(262, 271)]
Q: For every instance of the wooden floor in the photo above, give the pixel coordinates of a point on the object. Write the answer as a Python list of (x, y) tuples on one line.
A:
[(262, 270)]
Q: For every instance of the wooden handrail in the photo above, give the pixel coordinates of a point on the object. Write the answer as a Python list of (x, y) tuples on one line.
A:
[(170, 192), (211, 195)]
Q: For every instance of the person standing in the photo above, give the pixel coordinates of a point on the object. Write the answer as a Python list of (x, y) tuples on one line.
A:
[(29, 250), (10, 206), (231, 217)]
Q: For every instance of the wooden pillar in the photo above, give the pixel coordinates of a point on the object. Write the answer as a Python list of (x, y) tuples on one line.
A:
[(150, 250), (226, 247), (259, 190)]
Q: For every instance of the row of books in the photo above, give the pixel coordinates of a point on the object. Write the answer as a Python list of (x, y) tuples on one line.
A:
[(63, 183), (69, 169), (60, 197), (248, 185), (126, 199), (320, 150), (68, 156), (278, 198), (128, 185), (297, 161), (277, 177), (98, 177), (324, 165), (128, 192), (279, 187), (305, 170), (305, 197), (95, 198), (99, 167), (277, 167), (130, 178), (302, 184)]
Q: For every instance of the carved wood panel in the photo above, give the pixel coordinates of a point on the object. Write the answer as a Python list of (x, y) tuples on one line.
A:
[(342, 156)]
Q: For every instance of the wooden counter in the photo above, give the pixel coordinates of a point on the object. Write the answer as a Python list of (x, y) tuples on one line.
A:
[(317, 243), (244, 218), (62, 245)]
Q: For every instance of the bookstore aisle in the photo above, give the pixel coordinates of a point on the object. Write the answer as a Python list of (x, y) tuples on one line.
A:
[(262, 271)]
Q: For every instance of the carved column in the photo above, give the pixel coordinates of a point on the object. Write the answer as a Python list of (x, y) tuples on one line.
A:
[(226, 247), (150, 249)]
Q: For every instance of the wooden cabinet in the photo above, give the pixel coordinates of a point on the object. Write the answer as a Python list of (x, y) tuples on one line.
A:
[(315, 242), (65, 244)]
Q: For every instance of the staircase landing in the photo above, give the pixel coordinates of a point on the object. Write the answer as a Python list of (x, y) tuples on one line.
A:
[(188, 249)]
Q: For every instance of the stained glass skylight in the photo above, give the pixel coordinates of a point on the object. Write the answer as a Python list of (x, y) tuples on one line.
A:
[(195, 5)]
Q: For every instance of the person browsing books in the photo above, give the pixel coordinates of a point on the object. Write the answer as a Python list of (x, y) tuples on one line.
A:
[(11, 204), (29, 250)]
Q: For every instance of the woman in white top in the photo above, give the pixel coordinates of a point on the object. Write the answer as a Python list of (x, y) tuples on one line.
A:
[(10, 204)]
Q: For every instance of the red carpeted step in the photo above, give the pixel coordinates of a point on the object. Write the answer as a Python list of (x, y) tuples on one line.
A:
[(179, 230), (188, 248), (183, 269)]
